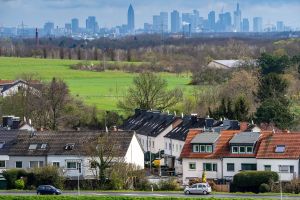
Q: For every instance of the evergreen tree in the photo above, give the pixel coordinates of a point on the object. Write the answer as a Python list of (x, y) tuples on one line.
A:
[(241, 109)]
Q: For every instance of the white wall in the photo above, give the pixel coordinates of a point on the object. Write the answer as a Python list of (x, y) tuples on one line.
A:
[(237, 165), (5, 158), (135, 153), (176, 148), (86, 171), (275, 167), (197, 173)]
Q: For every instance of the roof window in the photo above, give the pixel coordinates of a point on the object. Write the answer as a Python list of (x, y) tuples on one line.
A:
[(280, 149), (32, 146), (43, 146), (2, 144), (69, 146)]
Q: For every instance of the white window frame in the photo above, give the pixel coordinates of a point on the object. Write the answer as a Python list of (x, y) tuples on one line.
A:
[(208, 146), (249, 152), (72, 167), (240, 152), (202, 146), (56, 163), (4, 164), (235, 152), (196, 148), (193, 163)]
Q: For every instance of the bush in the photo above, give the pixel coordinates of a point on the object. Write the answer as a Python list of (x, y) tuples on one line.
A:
[(264, 188), (20, 184), (12, 175), (250, 181), (169, 185), (48, 175)]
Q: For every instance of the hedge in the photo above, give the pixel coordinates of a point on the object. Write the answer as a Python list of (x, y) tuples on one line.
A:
[(250, 181)]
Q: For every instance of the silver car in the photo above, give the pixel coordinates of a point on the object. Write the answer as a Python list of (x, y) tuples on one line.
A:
[(198, 188)]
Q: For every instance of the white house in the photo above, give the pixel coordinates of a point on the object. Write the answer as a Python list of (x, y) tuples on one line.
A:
[(9, 88), (224, 64)]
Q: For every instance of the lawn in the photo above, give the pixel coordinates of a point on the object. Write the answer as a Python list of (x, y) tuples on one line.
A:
[(102, 89)]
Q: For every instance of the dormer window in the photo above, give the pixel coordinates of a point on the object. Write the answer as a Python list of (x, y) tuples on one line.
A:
[(242, 149), (32, 146), (69, 146), (2, 144), (202, 148), (280, 149)]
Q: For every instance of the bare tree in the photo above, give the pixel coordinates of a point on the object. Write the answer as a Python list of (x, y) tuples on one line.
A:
[(149, 91)]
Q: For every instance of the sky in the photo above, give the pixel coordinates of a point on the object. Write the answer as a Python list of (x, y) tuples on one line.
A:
[(109, 13)]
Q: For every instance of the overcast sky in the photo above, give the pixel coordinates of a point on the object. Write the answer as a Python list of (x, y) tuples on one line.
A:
[(112, 12)]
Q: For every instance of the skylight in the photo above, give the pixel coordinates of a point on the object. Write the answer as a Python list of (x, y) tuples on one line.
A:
[(43, 146), (32, 146), (280, 149), (69, 146), (1, 144)]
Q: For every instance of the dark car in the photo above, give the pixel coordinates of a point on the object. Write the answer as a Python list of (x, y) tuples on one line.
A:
[(47, 189)]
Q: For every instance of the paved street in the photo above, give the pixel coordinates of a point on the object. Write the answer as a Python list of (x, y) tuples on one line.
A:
[(156, 194)]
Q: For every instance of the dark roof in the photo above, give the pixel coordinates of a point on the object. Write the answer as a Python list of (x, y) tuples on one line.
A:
[(150, 123), (188, 122), (9, 138), (245, 138), (57, 141), (205, 138)]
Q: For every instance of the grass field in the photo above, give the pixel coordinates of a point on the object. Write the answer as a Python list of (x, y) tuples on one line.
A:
[(102, 89)]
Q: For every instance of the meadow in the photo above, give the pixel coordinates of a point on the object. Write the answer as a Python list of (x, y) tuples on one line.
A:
[(102, 89)]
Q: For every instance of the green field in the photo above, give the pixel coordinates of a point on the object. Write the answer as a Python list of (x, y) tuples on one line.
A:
[(102, 89)]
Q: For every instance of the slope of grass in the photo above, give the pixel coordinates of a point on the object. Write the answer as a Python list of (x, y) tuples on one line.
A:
[(102, 89)]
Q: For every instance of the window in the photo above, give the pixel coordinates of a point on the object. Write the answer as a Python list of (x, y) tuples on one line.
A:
[(56, 164), (32, 146), (210, 167), (2, 163), (173, 147), (152, 144), (267, 167), (230, 167), (176, 147), (208, 148), (170, 146), (69, 146), (242, 149), (19, 164), (280, 149), (248, 167), (284, 168), (43, 146), (249, 149), (235, 149), (195, 148), (71, 165), (93, 164), (1, 144), (33, 164), (166, 145), (202, 148), (292, 169), (192, 166)]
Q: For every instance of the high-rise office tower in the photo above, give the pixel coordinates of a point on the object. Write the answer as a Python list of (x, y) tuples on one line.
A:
[(257, 24), (212, 20), (280, 26), (224, 23), (175, 22), (130, 19), (91, 24), (237, 19), (164, 21), (49, 28), (245, 25), (156, 24), (75, 25)]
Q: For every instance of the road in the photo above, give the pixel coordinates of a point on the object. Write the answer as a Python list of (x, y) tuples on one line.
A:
[(156, 194)]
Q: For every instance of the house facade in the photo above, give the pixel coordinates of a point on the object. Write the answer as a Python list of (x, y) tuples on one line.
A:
[(9, 87)]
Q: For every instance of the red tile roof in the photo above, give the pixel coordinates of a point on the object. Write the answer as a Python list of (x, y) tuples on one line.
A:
[(220, 150), (4, 82), (290, 140)]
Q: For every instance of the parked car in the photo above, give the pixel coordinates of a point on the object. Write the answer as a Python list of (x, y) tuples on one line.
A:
[(47, 189), (198, 188)]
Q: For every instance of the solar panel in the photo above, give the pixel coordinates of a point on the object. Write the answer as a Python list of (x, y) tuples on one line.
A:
[(280, 149)]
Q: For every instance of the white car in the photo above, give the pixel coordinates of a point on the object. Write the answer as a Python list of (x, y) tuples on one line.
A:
[(198, 188)]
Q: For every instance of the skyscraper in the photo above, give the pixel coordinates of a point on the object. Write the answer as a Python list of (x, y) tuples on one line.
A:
[(164, 21), (257, 24), (175, 22), (212, 20), (130, 19), (49, 28), (156, 24), (279, 26), (75, 25), (237, 19), (245, 25), (224, 23), (91, 24)]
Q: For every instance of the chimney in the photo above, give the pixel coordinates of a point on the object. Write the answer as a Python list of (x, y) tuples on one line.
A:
[(243, 126)]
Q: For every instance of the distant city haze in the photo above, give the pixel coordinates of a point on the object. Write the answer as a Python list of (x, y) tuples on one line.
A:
[(110, 13)]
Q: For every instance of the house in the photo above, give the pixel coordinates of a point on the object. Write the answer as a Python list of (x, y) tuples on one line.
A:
[(151, 127), (204, 151), (67, 150), (280, 152), (9, 87), (224, 64), (175, 139)]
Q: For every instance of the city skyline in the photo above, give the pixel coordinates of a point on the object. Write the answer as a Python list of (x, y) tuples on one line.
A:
[(112, 13)]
